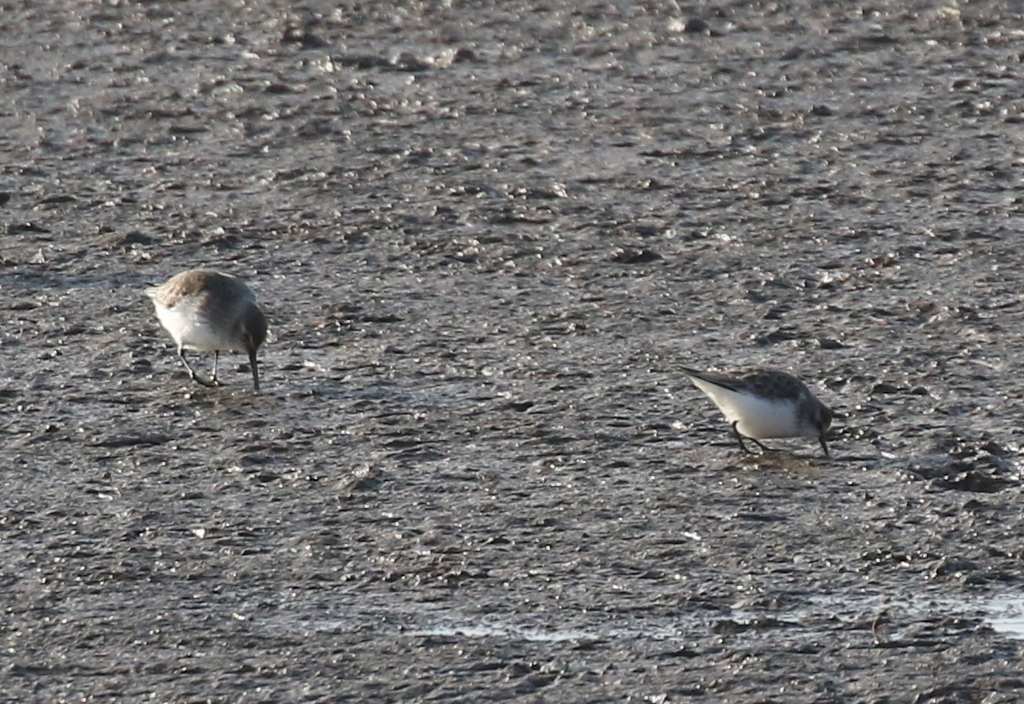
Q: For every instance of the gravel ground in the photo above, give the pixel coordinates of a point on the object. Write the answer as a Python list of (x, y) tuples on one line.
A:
[(487, 236)]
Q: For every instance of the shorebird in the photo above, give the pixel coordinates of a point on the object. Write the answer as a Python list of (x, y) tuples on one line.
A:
[(765, 403), (207, 311)]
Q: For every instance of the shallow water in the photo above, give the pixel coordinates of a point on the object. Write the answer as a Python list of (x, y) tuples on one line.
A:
[(1006, 615)]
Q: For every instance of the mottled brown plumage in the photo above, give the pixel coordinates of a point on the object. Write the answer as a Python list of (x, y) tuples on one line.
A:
[(207, 311)]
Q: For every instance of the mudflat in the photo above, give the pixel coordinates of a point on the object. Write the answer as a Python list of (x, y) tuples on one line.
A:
[(487, 237)]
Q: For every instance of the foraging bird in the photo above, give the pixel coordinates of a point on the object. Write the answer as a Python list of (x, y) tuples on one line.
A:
[(765, 403), (207, 311)]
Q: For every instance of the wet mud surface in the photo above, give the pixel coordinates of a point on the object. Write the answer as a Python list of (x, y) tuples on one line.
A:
[(487, 236)]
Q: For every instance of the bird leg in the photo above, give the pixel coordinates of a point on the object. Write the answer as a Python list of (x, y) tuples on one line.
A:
[(743, 447), (739, 438), (192, 372)]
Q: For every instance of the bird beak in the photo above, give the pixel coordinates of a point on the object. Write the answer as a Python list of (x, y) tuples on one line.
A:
[(824, 444), (256, 373)]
